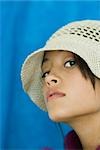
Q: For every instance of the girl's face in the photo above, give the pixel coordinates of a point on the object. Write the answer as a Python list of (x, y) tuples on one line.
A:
[(67, 93)]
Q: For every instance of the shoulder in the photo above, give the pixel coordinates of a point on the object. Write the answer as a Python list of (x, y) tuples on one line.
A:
[(72, 141)]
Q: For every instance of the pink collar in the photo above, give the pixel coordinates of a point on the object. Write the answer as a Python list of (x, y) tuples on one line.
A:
[(98, 148)]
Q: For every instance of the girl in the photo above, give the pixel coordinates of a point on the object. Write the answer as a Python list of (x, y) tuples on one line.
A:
[(63, 78)]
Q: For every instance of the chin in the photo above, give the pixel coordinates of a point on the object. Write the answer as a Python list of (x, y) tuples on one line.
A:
[(54, 118), (59, 116)]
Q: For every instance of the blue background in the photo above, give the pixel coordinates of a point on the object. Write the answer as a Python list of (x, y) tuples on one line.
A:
[(24, 27)]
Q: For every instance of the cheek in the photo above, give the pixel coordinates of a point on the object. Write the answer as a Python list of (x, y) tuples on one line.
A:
[(81, 95), (79, 87)]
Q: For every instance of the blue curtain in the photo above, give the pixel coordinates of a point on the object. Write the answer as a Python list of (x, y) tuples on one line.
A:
[(24, 27)]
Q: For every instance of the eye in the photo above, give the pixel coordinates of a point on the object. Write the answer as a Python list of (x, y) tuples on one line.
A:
[(45, 74), (70, 63)]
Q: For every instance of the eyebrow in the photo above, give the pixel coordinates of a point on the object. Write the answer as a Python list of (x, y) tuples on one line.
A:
[(46, 59)]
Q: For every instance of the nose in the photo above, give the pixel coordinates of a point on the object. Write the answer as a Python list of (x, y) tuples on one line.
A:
[(52, 80)]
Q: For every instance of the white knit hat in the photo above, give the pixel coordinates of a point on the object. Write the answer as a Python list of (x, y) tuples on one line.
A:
[(80, 37)]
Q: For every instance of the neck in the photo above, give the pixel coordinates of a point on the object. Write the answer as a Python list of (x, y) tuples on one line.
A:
[(88, 130)]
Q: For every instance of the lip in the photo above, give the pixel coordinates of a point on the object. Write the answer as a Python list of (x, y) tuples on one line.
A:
[(53, 95)]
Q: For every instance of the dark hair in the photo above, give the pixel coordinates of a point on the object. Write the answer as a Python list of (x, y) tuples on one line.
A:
[(85, 70)]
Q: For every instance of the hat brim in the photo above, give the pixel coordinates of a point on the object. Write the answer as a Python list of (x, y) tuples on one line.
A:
[(31, 70)]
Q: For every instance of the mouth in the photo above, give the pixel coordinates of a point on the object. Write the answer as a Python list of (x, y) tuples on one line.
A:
[(54, 95)]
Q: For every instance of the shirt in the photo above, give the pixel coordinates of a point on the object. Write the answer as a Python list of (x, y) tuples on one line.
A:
[(72, 141)]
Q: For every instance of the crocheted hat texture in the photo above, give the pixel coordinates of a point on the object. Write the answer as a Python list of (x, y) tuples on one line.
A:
[(79, 37)]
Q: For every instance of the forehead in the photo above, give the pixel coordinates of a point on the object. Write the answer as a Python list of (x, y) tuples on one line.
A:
[(56, 55), (57, 52)]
